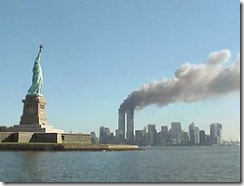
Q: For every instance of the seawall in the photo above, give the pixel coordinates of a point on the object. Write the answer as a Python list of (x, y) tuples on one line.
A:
[(65, 147)]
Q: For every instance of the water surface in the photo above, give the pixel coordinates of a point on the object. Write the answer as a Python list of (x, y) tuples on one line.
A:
[(154, 164)]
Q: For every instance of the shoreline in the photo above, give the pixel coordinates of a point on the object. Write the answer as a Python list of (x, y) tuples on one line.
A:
[(65, 147)]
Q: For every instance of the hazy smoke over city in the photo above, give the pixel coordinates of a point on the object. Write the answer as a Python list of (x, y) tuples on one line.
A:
[(191, 82)]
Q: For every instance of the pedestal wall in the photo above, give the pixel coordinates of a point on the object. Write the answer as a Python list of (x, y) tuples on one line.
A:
[(40, 137), (33, 110)]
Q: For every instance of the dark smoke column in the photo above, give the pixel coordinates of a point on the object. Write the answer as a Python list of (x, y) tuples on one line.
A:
[(190, 83)]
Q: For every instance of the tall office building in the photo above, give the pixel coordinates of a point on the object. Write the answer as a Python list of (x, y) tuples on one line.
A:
[(93, 137), (185, 138), (144, 131), (120, 133), (151, 134), (202, 137), (191, 132), (139, 138), (216, 133), (130, 126), (176, 131), (196, 135), (164, 135), (101, 133), (104, 135), (164, 129)]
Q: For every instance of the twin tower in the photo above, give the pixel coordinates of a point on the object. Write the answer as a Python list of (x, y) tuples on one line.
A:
[(129, 112)]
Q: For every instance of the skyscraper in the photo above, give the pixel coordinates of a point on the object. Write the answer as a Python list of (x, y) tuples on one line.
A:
[(164, 135), (216, 133), (130, 126), (93, 137), (164, 129), (185, 138), (139, 138), (202, 137), (120, 134), (151, 134), (104, 134), (191, 132), (196, 135), (176, 131)]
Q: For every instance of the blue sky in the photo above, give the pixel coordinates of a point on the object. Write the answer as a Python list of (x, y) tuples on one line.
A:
[(97, 52)]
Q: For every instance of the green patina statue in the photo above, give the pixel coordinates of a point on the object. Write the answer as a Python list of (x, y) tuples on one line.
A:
[(37, 78)]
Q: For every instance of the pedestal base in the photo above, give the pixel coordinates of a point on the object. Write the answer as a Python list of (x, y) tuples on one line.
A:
[(34, 128), (33, 110)]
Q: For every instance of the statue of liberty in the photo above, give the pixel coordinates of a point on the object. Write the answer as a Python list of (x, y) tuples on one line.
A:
[(37, 78)]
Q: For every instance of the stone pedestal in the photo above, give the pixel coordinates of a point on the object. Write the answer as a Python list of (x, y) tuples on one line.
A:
[(34, 111), (34, 117), (34, 128)]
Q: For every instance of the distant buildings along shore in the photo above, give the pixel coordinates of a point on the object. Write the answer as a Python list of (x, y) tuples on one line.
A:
[(149, 136)]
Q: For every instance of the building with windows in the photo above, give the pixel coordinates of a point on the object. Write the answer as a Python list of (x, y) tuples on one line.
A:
[(130, 126), (191, 132), (185, 138), (140, 138), (151, 134), (216, 133), (196, 135), (202, 137), (104, 135), (164, 135), (176, 131), (120, 132), (94, 139)]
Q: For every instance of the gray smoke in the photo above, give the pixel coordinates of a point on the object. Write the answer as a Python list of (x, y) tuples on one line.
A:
[(191, 83)]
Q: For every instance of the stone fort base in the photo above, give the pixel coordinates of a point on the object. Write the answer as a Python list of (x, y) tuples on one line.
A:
[(34, 128), (39, 137)]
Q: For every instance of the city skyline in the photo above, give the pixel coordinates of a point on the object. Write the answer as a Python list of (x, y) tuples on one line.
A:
[(97, 54), (174, 135), (159, 127)]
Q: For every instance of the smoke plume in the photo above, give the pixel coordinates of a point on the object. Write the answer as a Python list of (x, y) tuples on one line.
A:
[(191, 83)]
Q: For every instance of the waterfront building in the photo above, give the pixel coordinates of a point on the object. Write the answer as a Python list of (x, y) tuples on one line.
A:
[(191, 132), (176, 131), (196, 135), (140, 139), (216, 133), (144, 131), (104, 135), (112, 138), (164, 129), (130, 126), (120, 134), (151, 134), (185, 138), (94, 139), (101, 134), (163, 135), (207, 139), (202, 137)]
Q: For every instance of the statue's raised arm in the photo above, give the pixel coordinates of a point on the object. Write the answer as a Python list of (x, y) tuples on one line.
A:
[(39, 53), (37, 78)]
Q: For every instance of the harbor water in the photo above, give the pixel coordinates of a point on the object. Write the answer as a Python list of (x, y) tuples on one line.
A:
[(154, 164)]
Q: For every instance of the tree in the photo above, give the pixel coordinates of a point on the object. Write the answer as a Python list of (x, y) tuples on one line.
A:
[(3, 128)]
